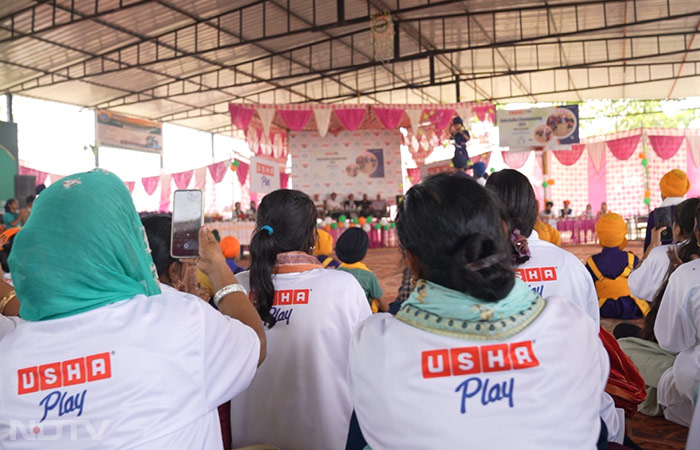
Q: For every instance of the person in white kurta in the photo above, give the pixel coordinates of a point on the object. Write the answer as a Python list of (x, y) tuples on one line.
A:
[(646, 279), (299, 398), (551, 408), (154, 386), (677, 329)]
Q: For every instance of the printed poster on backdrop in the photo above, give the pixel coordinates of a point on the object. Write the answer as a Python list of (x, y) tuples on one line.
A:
[(436, 167), (357, 162), (553, 128), (120, 131), (264, 175)]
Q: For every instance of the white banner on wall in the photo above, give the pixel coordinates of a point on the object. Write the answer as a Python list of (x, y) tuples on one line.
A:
[(552, 127), (357, 162), (120, 131), (264, 175)]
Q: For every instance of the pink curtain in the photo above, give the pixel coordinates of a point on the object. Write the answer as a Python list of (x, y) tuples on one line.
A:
[(484, 112), (182, 179), (484, 158), (284, 180), (440, 118), (623, 148), (515, 160), (200, 178), (165, 189), (596, 183), (666, 146), (150, 184), (295, 119), (218, 170), (389, 117), (569, 158), (130, 185), (242, 172), (693, 173), (240, 117), (40, 176), (414, 175), (350, 118), (694, 149)]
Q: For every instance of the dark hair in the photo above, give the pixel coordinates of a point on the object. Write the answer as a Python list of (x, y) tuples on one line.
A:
[(8, 203), (30, 199), (684, 216), (516, 193), (453, 227), (158, 232), (291, 215)]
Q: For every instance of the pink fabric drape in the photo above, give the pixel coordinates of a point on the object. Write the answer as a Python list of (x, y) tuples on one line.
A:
[(484, 158), (569, 158), (515, 160), (389, 117), (284, 180), (596, 183), (218, 170), (150, 184), (296, 119), (130, 185), (242, 172), (165, 190), (624, 147), (414, 175), (694, 149), (440, 118), (182, 179), (693, 173), (350, 118), (240, 116), (200, 178), (484, 112), (40, 176), (666, 146)]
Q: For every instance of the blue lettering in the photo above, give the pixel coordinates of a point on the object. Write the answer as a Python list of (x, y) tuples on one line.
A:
[(539, 290), (65, 406), (496, 392), (281, 315)]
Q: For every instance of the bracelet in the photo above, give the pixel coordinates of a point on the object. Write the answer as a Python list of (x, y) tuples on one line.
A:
[(224, 291), (6, 299)]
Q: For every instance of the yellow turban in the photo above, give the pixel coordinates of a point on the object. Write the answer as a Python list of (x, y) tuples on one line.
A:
[(324, 246), (611, 230), (547, 233), (674, 184)]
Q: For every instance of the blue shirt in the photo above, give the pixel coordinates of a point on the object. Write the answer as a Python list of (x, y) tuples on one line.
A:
[(8, 218)]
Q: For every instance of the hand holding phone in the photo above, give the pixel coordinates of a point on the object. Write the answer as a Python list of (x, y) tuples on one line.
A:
[(188, 216), (664, 218)]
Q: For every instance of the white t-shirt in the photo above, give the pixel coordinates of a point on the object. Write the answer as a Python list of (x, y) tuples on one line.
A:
[(553, 271), (8, 324), (332, 204), (677, 329), (408, 394), (144, 373), (645, 280), (299, 398)]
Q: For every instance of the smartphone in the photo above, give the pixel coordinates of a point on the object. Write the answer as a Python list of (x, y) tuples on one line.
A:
[(664, 218), (188, 215)]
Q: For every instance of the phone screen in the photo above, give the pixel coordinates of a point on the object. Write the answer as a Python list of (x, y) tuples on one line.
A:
[(187, 220), (663, 218)]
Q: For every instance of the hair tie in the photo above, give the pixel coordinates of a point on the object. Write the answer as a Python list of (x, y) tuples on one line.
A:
[(268, 228)]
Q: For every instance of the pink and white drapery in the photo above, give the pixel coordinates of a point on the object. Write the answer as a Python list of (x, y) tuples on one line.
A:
[(596, 150), (284, 180), (389, 117), (322, 114), (515, 160), (240, 116), (242, 172), (439, 118), (569, 157), (296, 119), (694, 148), (666, 146), (165, 190), (597, 186), (150, 184), (218, 170), (182, 179), (40, 176), (200, 178), (485, 111), (623, 148), (350, 118), (130, 185), (693, 171), (414, 175), (484, 158)]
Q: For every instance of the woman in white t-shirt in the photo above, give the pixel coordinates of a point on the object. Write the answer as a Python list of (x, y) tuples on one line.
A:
[(474, 358), (299, 399), (102, 357)]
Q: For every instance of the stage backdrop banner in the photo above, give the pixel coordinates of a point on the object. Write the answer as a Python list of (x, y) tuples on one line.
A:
[(264, 175), (117, 130), (436, 167), (358, 162), (552, 128)]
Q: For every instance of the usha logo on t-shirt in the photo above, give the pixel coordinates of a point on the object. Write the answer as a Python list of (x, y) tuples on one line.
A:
[(469, 360), (286, 297), (535, 274), (66, 373)]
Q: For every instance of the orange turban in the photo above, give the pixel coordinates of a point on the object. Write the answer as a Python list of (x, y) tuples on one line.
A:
[(324, 246), (611, 230), (547, 233), (231, 247), (674, 184), (4, 237)]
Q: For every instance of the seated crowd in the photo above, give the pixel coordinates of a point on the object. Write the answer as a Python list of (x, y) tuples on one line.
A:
[(494, 341)]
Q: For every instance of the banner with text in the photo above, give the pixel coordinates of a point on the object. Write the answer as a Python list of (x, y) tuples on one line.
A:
[(264, 175), (117, 130), (552, 128), (357, 162)]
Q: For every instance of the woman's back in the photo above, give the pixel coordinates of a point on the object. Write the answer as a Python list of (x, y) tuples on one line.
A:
[(533, 390), (299, 398), (126, 375)]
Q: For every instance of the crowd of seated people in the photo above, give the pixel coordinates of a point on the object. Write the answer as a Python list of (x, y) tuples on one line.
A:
[(496, 329), (334, 206)]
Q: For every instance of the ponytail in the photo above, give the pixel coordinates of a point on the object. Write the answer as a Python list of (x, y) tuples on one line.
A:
[(263, 258)]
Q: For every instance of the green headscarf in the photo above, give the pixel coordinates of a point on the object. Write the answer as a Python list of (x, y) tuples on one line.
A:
[(83, 247)]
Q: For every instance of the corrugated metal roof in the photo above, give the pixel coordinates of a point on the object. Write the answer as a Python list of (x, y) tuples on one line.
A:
[(184, 60)]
